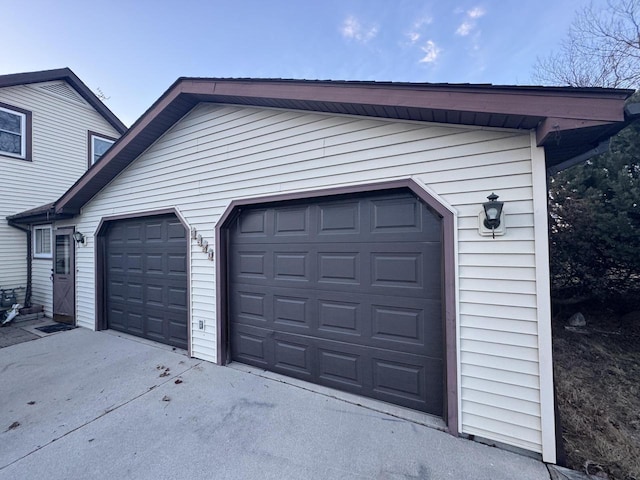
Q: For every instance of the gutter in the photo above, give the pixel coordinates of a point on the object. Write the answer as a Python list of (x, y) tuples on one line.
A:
[(27, 230)]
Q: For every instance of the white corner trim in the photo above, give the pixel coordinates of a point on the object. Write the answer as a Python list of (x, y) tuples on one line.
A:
[(543, 301)]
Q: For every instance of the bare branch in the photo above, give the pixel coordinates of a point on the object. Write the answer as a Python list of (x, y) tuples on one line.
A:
[(602, 49)]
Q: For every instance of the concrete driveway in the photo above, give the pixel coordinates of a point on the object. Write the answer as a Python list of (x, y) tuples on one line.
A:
[(91, 405)]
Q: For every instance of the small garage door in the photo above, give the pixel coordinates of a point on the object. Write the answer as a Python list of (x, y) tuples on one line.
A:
[(146, 278), (345, 293)]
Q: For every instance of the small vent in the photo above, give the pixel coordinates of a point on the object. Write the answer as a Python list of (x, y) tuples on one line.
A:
[(64, 90)]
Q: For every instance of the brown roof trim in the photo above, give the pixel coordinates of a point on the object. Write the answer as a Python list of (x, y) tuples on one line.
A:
[(66, 74), (44, 213), (569, 121)]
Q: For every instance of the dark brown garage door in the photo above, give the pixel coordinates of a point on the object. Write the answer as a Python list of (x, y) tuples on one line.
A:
[(146, 278), (345, 293)]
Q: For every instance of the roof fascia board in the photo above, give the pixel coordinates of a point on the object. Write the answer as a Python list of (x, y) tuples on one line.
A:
[(581, 105), (67, 75), (552, 126)]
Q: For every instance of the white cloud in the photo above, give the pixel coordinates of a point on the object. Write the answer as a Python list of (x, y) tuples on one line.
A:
[(414, 33), (476, 12), (469, 22), (464, 29), (431, 51), (413, 37), (421, 21), (353, 29)]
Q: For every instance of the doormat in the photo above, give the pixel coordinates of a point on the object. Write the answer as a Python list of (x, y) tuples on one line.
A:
[(57, 327)]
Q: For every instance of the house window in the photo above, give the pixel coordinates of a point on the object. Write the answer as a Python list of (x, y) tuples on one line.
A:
[(98, 145), (42, 241), (15, 129)]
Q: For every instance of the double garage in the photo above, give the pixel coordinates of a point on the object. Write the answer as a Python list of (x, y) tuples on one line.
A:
[(344, 291)]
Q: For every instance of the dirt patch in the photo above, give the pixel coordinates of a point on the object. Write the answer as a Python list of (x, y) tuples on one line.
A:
[(597, 375)]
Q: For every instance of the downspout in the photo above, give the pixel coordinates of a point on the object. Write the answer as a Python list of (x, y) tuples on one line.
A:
[(27, 230)]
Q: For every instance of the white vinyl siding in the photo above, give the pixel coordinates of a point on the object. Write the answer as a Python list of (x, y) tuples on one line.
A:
[(220, 153), (59, 158)]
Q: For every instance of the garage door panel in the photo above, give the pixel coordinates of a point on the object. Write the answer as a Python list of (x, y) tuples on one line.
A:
[(155, 295), (291, 357), (292, 221), (336, 223), (410, 270), (383, 321), (415, 385), (177, 297), (154, 264), (397, 377), (153, 232), (133, 233), (117, 317), (292, 265), (146, 266), (337, 316), (176, 264), (178, 328), (339, 268), (345, 293), (125, 319), (251, 345), (340, 369), (155, 326), (250, 306), (293, 311), (339, 218), (403, 219), (252, 224), (176, 232), (250, 264)]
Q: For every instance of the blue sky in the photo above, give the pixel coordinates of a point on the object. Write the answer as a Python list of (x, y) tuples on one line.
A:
[(133, 50)]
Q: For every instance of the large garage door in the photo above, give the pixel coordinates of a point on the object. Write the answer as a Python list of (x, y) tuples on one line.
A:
[(345, 293), (146, 278)]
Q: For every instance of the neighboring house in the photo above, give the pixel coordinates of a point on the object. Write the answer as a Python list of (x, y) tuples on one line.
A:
[(332, 232), (52, 127)]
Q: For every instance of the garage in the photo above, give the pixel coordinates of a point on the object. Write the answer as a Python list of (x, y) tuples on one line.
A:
[(342, 291), (146, 278)]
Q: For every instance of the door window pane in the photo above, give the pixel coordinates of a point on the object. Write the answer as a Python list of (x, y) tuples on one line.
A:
[(63, 254)]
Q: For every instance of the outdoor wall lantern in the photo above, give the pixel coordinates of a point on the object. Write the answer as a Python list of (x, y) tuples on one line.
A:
[(199, 238), (78, 237), (491, 221), (210, 254), (205, 246), (194, 233)]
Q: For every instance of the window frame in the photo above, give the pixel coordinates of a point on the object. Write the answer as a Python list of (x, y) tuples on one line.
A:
[(25, 133), (91, 136), (42, 255)]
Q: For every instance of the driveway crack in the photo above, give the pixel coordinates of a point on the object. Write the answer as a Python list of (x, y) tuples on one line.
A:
[(105, 412)]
